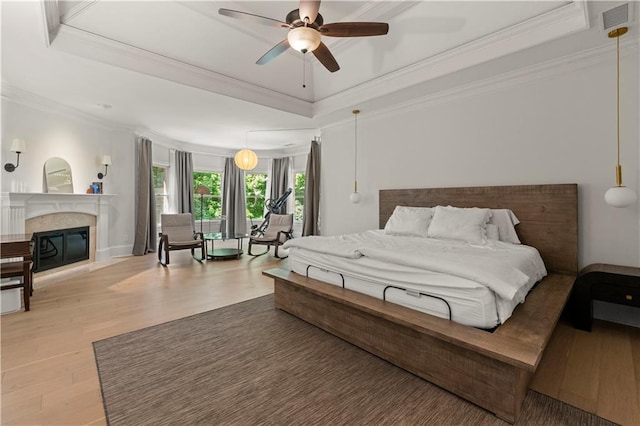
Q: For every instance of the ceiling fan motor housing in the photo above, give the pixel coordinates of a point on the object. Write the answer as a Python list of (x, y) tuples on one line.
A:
[(293, 18)]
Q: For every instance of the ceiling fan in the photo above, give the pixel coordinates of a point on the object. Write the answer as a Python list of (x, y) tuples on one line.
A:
[(306, 26)]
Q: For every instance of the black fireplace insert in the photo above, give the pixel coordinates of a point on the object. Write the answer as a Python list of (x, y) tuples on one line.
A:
[(60, 247)]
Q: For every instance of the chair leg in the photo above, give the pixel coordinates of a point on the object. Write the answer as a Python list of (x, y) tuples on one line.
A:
[(193, 254), (256, 255), (160, 250), (26, 288), (276, 253)]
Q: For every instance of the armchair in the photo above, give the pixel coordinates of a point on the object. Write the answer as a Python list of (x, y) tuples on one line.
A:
[(277, 232), (178, 234)]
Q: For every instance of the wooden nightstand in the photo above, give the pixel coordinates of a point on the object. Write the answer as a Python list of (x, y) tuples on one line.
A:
[(608, 283)]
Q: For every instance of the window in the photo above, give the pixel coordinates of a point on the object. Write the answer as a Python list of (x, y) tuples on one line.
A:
[(255, 190), (160, 189), (299, 179), (208, 206)]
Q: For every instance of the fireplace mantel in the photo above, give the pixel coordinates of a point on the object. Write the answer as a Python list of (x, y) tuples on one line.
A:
[(18, 207)]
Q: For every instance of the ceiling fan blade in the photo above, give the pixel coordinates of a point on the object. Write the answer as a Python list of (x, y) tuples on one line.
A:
[(273, 52), (326, 58), (309, 8), (354, 29), (253, 18)]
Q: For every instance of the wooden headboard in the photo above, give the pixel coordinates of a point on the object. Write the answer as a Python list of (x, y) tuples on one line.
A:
[(548, 214)]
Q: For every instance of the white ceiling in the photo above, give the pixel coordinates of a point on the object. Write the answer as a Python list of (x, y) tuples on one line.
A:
[(182, 71)]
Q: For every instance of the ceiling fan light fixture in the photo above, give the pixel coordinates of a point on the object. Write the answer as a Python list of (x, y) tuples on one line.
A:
[(304, 39)]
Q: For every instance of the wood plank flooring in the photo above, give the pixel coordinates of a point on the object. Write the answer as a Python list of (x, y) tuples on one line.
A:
[(48, 368)]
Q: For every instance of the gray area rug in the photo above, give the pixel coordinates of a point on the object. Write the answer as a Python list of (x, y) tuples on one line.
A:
[(250, 363)]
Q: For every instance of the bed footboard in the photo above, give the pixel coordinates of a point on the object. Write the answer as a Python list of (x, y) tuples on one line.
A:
[(492, 370)]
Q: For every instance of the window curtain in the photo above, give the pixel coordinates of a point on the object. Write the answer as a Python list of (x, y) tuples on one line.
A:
[(312, 192), (184, 184), (234, 208), (280, 180), (145, 239)]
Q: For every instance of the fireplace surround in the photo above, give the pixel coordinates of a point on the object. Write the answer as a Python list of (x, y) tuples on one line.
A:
[(38, 212)]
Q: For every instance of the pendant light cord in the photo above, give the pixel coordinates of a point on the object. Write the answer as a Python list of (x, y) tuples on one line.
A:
[(355, 157), (618, 95)]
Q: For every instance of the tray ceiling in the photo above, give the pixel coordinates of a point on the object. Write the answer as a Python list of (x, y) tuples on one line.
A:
[(186, 53)]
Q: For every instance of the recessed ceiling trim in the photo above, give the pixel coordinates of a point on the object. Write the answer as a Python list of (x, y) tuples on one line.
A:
[(29, 99), (91, 46), (551, 25), (210, 10), (565, 65), (51, 15), (76, 10)]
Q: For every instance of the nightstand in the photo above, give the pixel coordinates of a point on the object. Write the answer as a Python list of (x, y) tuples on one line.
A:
[(608, 283)]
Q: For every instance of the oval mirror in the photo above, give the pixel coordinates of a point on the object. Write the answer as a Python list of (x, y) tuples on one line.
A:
[(57, 176)]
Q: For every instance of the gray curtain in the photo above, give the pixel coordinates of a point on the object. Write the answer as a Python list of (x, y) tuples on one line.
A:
[(146, 238), (184, 184), (312, 192), (234, 208), (280, 180)]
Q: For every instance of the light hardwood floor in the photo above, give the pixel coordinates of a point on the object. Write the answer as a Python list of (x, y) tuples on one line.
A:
[(48, 368)]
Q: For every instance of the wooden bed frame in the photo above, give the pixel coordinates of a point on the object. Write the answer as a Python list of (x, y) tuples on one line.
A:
[(492, 370)]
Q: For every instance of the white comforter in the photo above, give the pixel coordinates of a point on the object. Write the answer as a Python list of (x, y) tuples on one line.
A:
[(504, 268)]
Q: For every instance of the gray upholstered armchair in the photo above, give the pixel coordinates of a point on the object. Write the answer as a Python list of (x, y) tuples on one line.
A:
[(277, 232), (178, 234)]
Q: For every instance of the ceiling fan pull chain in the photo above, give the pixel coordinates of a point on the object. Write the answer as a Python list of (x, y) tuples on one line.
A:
[(304, 68)]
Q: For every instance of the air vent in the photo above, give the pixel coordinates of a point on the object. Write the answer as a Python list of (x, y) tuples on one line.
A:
[(615, 17)]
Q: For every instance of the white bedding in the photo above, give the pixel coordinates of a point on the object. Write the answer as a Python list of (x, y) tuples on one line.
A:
[(506, 270)]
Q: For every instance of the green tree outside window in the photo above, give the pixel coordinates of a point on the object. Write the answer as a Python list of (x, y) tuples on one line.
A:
[(255, 190), (158, 176), (211, 203), (300, 179)]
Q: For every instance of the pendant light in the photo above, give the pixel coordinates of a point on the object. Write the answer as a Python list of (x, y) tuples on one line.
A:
[(355, 197), (619, 195), (246, 159)]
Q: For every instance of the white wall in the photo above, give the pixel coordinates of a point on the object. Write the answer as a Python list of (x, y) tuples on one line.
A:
[(81, 143), (556, 129)]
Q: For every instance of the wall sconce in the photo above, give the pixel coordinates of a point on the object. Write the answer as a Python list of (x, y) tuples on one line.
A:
[(619, 195), (106, 160), (17, 146)]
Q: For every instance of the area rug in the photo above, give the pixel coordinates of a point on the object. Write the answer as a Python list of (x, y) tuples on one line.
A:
[(250, 363)]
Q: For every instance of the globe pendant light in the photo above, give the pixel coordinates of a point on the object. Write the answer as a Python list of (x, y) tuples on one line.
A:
[(355, 197), (619, 195), (246, 159)]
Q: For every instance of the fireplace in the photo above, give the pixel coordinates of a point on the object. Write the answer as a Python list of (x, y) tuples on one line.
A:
[(60, 247), (36, 212)]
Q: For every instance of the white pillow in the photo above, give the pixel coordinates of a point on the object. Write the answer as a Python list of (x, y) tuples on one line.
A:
[(492, 232), (409, 221), (466, 224), (505, 220)]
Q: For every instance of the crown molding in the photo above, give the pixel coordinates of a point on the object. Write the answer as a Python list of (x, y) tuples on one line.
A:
[(76, 10), (92, 46), (566, 65), (197, 149), (51, 20), (31, 100), (565, 20)]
